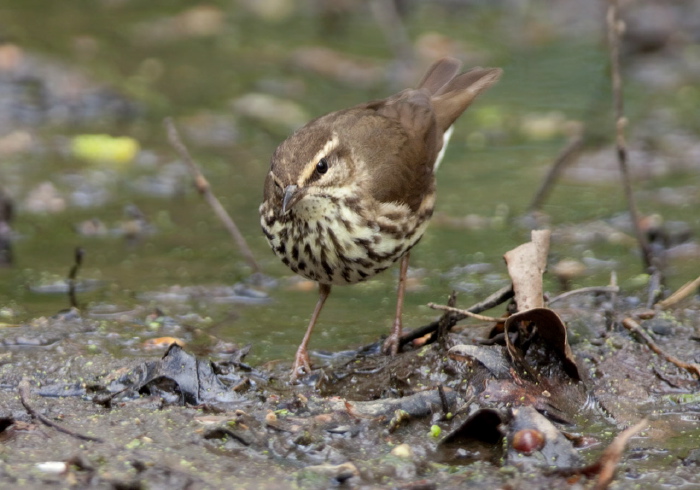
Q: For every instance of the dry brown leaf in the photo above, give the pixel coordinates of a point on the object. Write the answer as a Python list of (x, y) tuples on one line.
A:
[(526, 264), (552, 330)]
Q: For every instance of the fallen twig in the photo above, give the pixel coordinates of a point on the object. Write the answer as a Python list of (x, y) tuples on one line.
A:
[(6, 214), (634, 327), (444, 325), (466, 313), (615, 26), (610, 308), (23, 389), (606, 465), (683, 292), (613, 453), (202, 185), (443, 401), (450, 319), (613, 283), (655, 286), (78, 256), (591, 289)]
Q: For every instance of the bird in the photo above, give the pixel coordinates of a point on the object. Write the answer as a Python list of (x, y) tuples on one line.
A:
[(351, 192)]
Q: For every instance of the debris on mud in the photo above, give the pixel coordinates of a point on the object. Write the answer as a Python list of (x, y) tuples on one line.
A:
[(528, 407)]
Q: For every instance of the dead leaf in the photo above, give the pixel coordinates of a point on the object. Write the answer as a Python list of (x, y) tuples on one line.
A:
[(551, 329), (179, 377), (492, 357), (526, 264), (483, 425)]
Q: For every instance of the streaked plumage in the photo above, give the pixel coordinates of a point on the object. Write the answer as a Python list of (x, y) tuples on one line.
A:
[(351, 192)]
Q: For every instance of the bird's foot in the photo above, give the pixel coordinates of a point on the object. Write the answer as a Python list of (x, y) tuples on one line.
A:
[(302, 364), (392, 344)]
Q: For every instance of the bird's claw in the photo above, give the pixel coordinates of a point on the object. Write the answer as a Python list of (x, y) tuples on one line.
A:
[(302, 365), (391, 345)]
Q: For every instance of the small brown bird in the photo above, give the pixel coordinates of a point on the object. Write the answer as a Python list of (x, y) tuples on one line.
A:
[(351, 192)]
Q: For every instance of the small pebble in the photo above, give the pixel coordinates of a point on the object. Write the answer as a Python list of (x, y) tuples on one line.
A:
[(528, 441), (52, 467), (402, 451)]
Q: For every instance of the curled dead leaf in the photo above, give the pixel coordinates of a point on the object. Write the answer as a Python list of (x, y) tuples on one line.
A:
[(551, 329), (526, 264), (483, 425)]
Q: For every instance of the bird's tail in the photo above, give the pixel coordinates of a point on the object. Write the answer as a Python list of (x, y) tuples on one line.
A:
[(451, 94), (453, 99)]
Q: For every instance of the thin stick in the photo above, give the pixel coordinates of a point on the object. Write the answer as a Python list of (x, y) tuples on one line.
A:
[(683, 292), (613, 283), (562, 160), (614, 28), (78, 257), (610, 307), (655, 287), (465, 313), (24, 396), (591, 289), (443, 401), (606, 465), (633, 326), (6, 215), (613, 453), (204, 189), (444, 325), (450, 319)]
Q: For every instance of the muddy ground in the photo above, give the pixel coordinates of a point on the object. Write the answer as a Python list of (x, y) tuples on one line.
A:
[(428, 418)]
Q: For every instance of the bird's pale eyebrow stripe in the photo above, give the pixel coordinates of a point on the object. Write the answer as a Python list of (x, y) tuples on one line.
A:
[(310, 167), (276, 179)]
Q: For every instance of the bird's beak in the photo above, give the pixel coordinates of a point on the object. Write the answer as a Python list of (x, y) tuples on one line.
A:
[(291, 197)]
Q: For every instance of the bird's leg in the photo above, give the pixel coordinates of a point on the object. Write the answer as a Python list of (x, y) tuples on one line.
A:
[(302, 361), (392, 343)]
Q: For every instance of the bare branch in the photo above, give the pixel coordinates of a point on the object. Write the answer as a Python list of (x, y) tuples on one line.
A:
[(591, 289), (24, 399), (613, 453), (450, 319), (204, 189), (633, 326), (464, 312), (683, 292), (615, 26)]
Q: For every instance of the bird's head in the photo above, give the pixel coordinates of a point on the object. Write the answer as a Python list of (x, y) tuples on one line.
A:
[(311, 165)]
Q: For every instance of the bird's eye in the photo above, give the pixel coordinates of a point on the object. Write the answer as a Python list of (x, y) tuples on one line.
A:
[(322, 166)]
